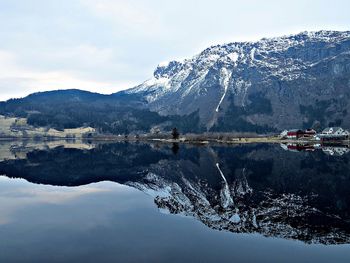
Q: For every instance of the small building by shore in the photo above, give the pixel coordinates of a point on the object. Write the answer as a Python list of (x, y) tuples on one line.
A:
[(309, 133), (296, 133), (335, 131), (333, 134)]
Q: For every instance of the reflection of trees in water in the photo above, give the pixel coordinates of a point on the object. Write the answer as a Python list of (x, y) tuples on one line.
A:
[(175, 148)]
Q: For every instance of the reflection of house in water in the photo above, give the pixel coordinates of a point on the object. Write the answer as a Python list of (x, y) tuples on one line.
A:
[(335, 150), (297, 147)]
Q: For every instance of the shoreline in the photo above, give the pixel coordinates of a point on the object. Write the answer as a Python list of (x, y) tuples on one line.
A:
[(181, 140)]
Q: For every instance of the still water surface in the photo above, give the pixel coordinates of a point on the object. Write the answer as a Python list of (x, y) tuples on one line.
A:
[(127, 202)]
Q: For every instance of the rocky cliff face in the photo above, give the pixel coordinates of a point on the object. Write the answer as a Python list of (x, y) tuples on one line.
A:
[(272, 84)]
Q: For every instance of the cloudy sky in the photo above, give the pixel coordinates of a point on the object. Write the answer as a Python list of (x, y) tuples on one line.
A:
[(110, 45)]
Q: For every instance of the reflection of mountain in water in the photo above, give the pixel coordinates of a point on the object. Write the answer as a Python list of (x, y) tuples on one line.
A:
[(243, 189)]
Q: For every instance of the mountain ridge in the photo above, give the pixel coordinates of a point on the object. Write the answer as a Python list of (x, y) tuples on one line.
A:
[(236, 69)]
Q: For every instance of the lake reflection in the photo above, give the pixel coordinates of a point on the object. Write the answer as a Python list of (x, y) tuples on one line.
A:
[(283, 193)]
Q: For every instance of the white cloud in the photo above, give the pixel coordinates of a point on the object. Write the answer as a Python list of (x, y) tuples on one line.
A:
[(127, 16), (86, 55), (17, 81)]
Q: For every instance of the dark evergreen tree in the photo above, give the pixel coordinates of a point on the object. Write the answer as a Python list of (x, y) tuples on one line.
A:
[(175, 133)]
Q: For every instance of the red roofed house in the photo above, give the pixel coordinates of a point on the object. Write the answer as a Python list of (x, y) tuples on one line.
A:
[(294, 134)]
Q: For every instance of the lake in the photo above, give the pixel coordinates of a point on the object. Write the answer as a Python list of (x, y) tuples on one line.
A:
[(154, 202)]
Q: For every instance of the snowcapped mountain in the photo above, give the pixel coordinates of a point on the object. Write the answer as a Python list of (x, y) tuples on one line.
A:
[(273, 84)]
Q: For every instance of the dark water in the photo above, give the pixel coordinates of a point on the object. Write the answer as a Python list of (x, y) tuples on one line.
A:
[(140, 202)]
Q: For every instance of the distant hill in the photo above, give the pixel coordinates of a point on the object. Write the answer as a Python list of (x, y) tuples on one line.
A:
[(66, 109)]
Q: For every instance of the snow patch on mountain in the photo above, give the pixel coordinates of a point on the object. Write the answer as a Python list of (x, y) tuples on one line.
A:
[(233, 56), (225, 76), (252, 53), (164, 64)]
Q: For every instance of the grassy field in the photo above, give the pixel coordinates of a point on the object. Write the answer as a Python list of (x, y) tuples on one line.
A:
[(18, 128)]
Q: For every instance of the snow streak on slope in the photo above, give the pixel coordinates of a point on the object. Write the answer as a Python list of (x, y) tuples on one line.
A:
[(225, 79), (252, 53)]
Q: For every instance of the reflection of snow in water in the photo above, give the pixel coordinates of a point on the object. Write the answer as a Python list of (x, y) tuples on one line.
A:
[(338, 151), (221, 173), (241, 186), (225, 194), (235, 218)]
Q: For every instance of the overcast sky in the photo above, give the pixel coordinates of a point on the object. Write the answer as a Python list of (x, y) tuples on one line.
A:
[(110, 45)]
